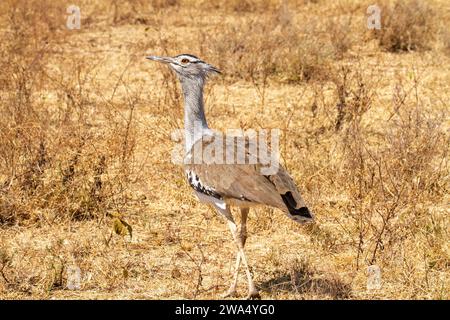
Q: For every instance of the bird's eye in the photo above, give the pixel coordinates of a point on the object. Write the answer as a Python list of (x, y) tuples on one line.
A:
[(185, 60)]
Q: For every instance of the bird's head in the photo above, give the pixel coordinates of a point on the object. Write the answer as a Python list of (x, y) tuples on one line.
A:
[(187, 66)]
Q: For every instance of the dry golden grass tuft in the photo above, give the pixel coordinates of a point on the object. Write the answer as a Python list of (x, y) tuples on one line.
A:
[(86, 181)]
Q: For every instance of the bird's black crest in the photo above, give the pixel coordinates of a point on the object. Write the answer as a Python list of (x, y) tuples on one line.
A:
[(188, 55)]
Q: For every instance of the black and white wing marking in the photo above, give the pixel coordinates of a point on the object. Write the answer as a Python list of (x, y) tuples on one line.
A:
[(197, 185)]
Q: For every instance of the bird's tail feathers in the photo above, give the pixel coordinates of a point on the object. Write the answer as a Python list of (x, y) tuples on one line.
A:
[(300, 214)]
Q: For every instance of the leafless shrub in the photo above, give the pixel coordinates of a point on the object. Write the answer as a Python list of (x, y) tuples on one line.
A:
[(285, 49), (406, 26), (50, 164), (240, 6), (341, 35), (446, 42), (137, 11), (388, 174), (355, 95)]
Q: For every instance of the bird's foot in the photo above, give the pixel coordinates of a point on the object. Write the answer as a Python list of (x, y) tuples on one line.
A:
[(231, 293), (253, 295)]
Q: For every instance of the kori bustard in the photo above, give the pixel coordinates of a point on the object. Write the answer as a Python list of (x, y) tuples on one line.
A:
[(228, 184)]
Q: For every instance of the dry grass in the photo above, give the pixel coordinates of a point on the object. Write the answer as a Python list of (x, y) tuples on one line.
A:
[(85, 133)]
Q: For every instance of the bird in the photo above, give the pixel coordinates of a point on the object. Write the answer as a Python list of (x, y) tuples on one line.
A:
[(227, 185)]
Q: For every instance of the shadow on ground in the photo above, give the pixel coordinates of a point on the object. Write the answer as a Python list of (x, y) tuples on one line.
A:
[(306, 284)]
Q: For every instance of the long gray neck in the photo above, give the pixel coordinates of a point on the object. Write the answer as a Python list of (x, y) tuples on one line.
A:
[(194, 114)]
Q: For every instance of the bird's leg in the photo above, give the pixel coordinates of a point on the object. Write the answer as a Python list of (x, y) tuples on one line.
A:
[(232, 291), (243, 231), (226, 212), (252, 292), (243, 237)]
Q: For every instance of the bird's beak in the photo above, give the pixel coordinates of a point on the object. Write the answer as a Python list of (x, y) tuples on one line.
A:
[(214, 69), (160, 59)]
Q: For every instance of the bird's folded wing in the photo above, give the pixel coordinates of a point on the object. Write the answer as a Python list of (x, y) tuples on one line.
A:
[(245, 181)]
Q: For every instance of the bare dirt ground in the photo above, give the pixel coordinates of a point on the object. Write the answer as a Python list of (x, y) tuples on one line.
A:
[(86, 148)]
